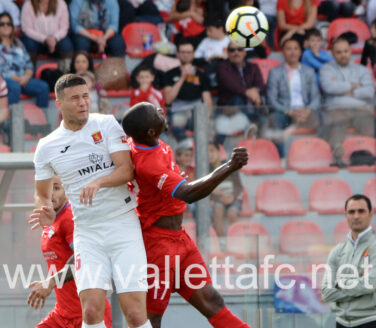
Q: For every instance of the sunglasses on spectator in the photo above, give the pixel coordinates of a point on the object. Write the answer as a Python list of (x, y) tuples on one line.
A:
[(235, 49), (5, 24)]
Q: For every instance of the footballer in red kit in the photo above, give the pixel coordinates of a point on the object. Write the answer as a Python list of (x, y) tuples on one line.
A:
[(161, 194), (57, 249)]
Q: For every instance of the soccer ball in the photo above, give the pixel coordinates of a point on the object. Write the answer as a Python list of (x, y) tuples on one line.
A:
[(247, 26)]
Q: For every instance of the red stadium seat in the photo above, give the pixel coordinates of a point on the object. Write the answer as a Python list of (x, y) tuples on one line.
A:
[(302, 238), (132, 34), (370, 191), (355, 25), (33, 148), (359, 143), (265, 65), (248, 239), (4, 148), (310, 155), (246, 210), (340, 232), (278, 197), (264, 157), (215, 250), (327, 195), (35, 116), (369, 66)]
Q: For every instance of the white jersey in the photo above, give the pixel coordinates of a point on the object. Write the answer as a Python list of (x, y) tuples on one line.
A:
[(78, 158), (209, 47)]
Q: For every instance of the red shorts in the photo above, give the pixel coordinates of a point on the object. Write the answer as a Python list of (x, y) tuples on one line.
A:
[(181, 267), (55, 320)]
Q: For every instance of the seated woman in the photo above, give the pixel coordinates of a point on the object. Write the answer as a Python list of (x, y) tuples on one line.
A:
[(17, 68), (95, 23), (294, 17), (45, 25)]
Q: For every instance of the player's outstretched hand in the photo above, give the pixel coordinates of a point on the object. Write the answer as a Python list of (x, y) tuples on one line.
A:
[(43, 216), (40, 291), (239, 158), (88, 192)]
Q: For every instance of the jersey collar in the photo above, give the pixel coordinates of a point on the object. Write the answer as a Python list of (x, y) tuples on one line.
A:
[(144, 147)]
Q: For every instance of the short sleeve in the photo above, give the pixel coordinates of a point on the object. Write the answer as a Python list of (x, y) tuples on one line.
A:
[(167, 181), (68, 228), (316, 3), (281, 5), (115, 136), (43, 168), (205, 84), (3, 88)]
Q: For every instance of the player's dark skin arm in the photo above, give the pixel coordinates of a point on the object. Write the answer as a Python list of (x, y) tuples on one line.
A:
[(42, 289), (201, 188)]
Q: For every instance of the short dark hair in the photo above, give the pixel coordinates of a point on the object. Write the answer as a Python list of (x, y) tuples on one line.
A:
[(216, 22), (136, 120), (288, 40), (313, 32), (67, 81), (144, 68), (339, 40), (359, 197), (183, 42), (88, 57)]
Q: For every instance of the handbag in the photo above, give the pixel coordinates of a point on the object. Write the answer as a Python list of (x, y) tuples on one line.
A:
[(112, 74)]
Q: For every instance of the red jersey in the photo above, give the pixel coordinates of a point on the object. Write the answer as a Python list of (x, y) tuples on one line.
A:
[(151, 95), (56, 243), (157, 179), (296, 16)]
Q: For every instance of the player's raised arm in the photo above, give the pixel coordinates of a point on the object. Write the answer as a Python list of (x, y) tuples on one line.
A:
[(198, 189), (43, 214)]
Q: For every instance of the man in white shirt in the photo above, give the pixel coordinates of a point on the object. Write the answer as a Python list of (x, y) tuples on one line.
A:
[(91, 156)]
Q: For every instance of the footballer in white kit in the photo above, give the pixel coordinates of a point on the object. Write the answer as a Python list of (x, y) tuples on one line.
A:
[(107, 234)]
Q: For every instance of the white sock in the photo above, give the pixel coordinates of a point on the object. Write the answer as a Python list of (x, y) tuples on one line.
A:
[(97, 325), (147, 324)]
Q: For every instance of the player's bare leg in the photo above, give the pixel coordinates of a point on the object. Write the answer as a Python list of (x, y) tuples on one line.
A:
[(210, 303), (93, 304), (133, 305)]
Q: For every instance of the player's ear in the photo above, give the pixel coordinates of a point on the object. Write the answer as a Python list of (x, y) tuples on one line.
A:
[(151, 133)]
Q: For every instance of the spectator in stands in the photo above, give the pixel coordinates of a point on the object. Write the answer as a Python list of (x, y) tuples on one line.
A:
[(81, 62), (145, 91), (349, 93), (292, 92), (226, 198), (16, 66), (213, 49), (369, 50), (188, 16), (295, 17), (314, 55), (350, 278), (184, 158), (45, 27), (11, 8), (371, 11), (334, 9), (4, 111), (138, 11), (240, 83), (95, 23), (185, 86)]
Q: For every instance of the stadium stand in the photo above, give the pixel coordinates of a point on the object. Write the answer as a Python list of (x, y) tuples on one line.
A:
[(370, 191), (246, 209), (265, 65)]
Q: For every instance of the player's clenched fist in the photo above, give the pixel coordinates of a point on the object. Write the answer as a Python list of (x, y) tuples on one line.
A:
[(239, 158)]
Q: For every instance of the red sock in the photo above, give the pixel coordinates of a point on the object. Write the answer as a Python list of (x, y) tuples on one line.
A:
[(225, 319)]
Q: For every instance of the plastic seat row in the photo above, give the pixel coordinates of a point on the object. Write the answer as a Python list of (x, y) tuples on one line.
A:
[(306, 155)]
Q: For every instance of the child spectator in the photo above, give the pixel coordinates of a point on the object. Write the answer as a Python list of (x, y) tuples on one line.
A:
[(213, 49), (184, 158), (369, 50), (99, 101), (226, 198), (146, 92), (314, 56)]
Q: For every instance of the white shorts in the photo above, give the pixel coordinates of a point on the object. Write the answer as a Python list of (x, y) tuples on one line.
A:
[(112, 249)]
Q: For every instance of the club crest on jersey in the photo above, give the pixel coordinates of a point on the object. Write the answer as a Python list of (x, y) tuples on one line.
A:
[(49, 233), (97, 137), (123, 139)]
